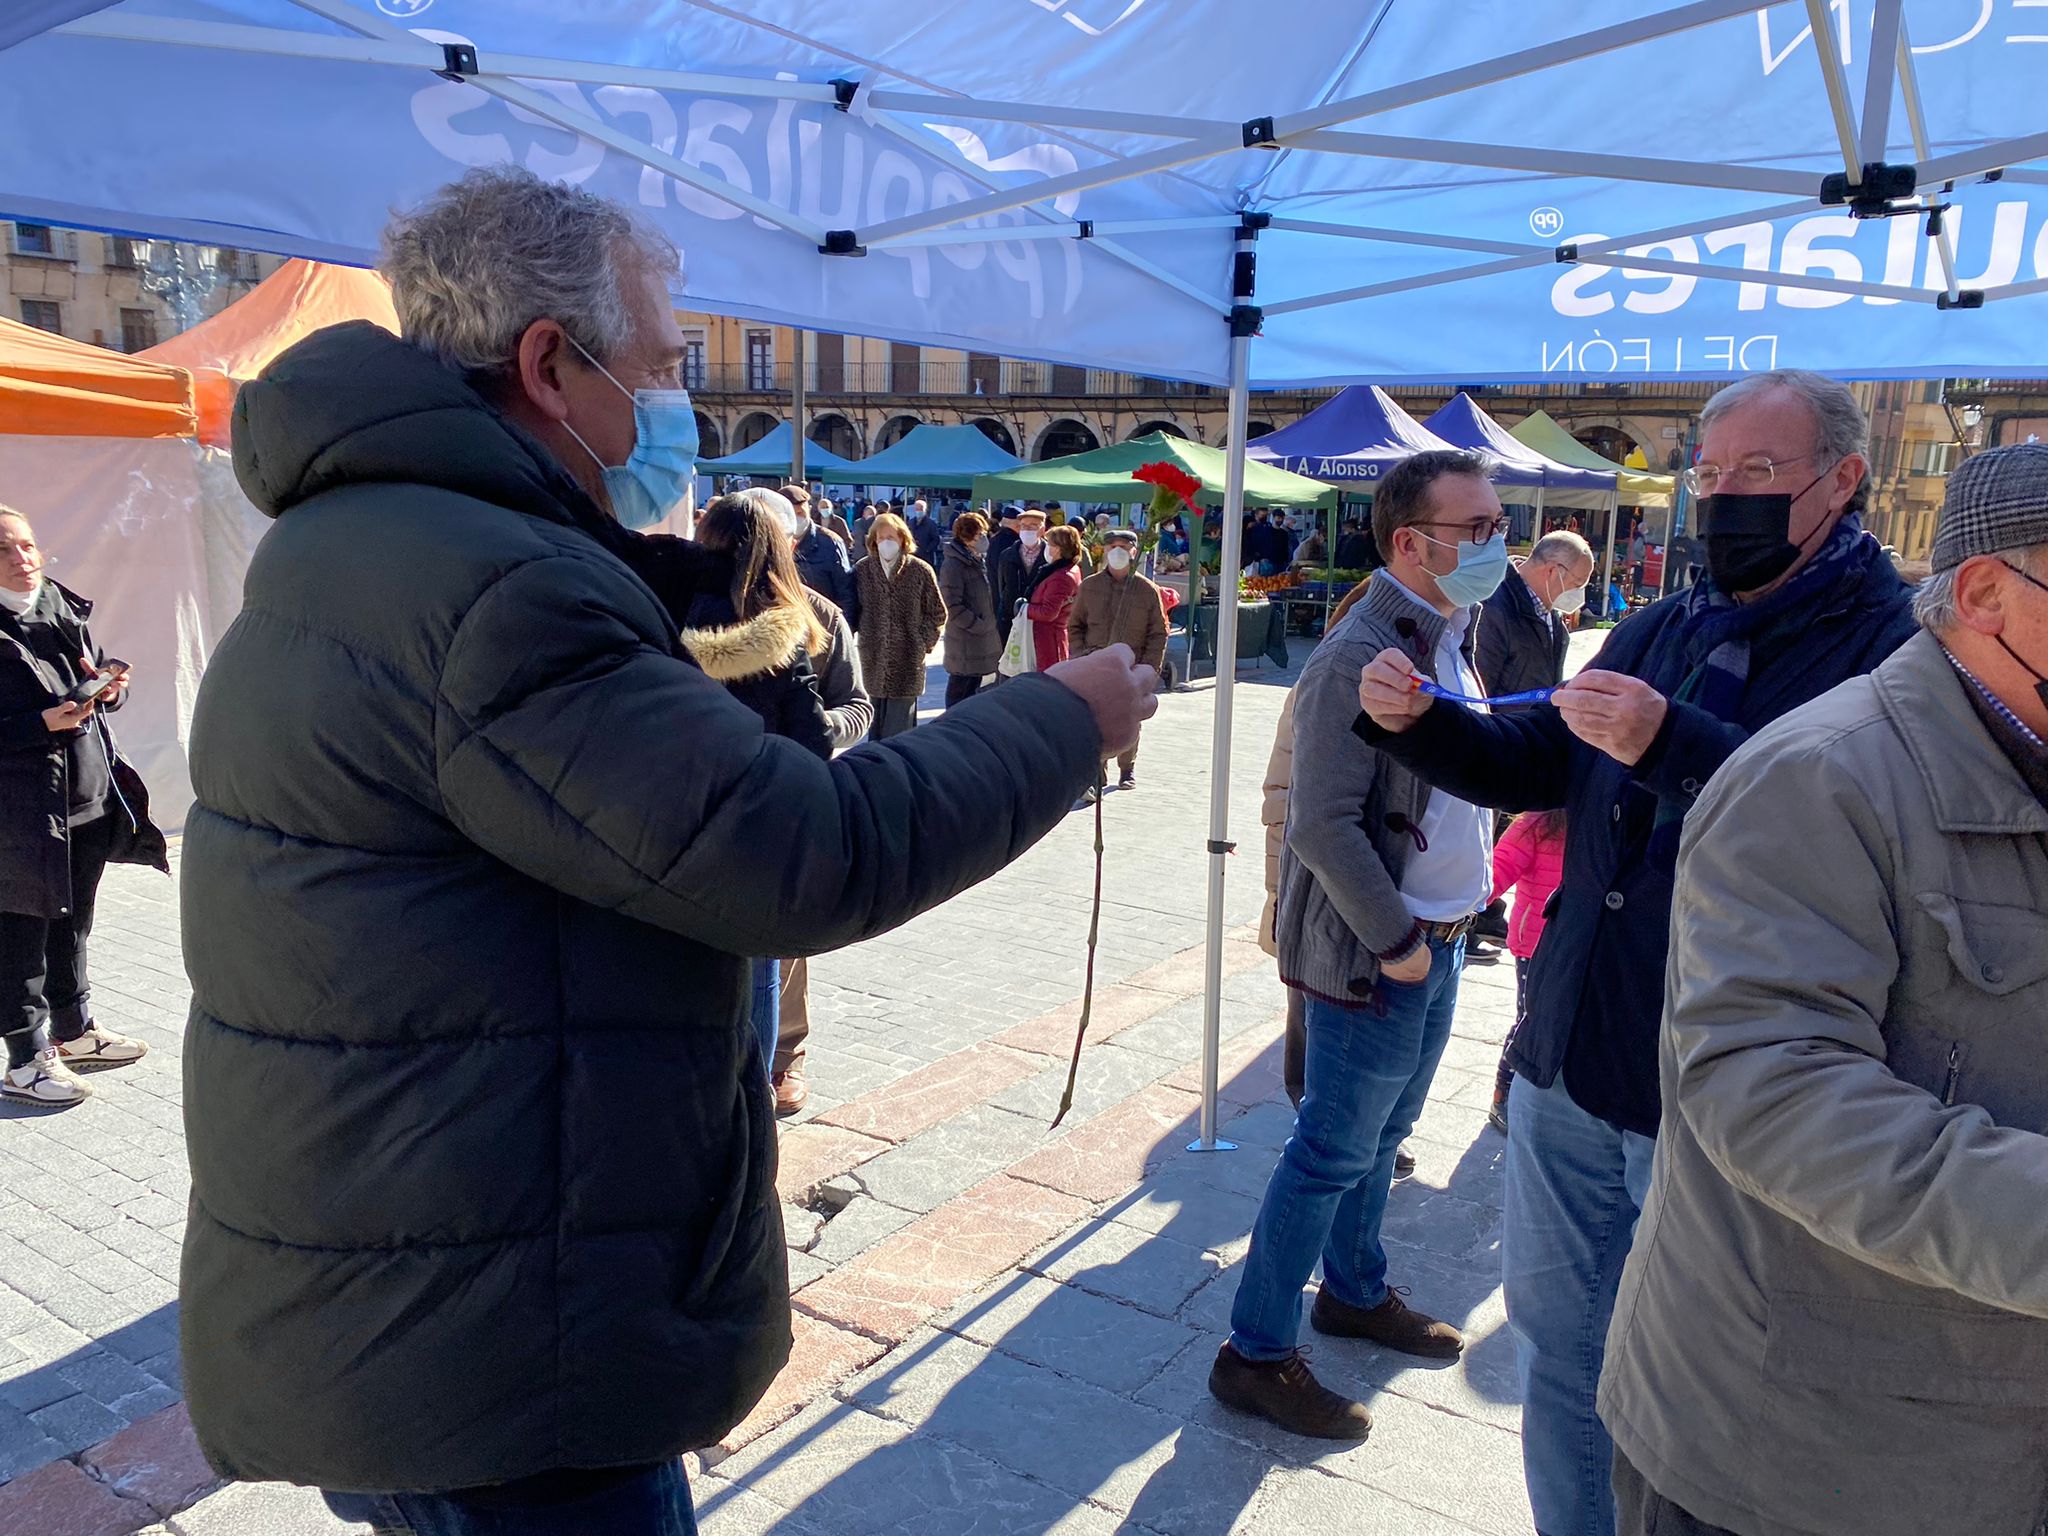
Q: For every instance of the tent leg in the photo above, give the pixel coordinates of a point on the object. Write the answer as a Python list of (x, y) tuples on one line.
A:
[(1219, 763), (1607, 568), (799, 366), (1539, 511)]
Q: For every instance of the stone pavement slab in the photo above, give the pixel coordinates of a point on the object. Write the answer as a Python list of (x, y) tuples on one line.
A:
[(999, 1327)]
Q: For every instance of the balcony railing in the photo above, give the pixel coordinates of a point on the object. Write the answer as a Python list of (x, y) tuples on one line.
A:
[(1008, 377)]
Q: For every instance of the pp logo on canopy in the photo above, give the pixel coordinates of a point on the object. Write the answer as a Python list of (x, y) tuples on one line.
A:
[(404, 10), (1546, 223)]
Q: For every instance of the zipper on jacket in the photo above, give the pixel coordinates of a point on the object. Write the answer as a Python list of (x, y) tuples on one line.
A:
[(1955, 1072), (107, 741)]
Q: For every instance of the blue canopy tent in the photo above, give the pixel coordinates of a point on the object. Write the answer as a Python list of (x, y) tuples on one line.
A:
[(1296, 193), (945, 458), (1355, 436), (771, 455), (1521, 472)]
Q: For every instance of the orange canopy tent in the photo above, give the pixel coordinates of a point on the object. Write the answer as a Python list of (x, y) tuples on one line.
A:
[(299, 298), (54, 387)]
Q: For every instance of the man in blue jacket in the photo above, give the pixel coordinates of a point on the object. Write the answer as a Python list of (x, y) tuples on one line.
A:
[(1797, 598)]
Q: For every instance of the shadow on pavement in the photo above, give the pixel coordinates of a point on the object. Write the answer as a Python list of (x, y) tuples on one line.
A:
[(1073, 1396)]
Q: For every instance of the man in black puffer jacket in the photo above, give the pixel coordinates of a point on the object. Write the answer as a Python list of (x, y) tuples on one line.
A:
[(483, 1155), (1798, 599)]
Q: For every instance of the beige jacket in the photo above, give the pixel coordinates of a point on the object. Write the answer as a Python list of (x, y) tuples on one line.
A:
[(1273, 815), (1108, 609), (1835, 1318)]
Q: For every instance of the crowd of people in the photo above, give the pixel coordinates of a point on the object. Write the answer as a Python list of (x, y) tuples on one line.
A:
[(515, 829)]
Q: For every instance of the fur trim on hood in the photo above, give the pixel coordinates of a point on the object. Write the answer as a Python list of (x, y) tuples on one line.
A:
[(736, 653)]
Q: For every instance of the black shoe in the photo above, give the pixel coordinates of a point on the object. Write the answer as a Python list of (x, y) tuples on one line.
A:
[(1128, 779), (1478, 953), (1286, 1393), (1392, 1323), (1497, 1113), (1088, 798), (1404, 1161)]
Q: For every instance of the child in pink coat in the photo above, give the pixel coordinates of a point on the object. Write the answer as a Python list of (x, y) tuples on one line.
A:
[(1528, 860)]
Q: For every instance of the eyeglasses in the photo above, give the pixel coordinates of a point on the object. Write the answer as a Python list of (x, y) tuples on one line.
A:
[(1479, 531), (1755, 472)]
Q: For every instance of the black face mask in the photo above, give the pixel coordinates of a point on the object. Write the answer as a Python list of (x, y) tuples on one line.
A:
[(2040, 681), (1749, 536)]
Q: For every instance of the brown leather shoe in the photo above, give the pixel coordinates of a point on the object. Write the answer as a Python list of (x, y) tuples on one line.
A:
[(791, 1091), (1392, 1323), (1284, 1392), (1404, 1161)]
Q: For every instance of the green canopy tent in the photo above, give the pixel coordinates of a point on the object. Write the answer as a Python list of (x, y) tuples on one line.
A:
[(1105, 475), (1637, 487), (770, 457), (1632, 487)]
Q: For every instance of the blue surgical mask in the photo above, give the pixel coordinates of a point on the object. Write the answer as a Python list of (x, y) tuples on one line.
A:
[(1481, 569), (656, 476)]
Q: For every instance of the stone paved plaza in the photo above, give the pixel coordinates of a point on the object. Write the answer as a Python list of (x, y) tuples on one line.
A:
[(999, 1328)]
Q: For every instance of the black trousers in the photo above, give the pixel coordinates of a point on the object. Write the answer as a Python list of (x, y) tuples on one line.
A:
[(959, 687), (1640, 1510), (892, 718), (43, 984)]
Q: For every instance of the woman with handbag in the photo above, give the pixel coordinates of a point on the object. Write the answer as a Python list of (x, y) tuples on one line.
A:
[(1052, 600)]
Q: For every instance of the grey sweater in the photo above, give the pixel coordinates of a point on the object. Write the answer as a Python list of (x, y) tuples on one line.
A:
[(1352, 812)]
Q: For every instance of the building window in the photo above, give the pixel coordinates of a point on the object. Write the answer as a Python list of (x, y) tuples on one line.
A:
[(761, 360), (906, 369), (693, 360), (124, 254), (43, 314), (1933, 458), (138, 330), (34, 240)]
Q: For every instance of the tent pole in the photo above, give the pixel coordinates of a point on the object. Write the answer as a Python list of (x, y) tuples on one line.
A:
[(1539, 510), (1243, 323), (1607, 573), (797, 381)]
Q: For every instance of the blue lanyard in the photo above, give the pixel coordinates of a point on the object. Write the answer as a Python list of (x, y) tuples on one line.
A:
[(1533, 696)]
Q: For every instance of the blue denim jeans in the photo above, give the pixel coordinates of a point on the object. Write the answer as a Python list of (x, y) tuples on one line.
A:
[(1366, 1078), (656, 1503), (767, 1014), (1575, 1185)]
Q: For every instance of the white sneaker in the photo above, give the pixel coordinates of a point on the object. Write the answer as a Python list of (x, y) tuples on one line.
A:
[(99, 1047), (46, 1080)]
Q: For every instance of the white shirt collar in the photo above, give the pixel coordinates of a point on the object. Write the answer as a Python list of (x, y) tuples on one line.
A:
[(1454, 623)]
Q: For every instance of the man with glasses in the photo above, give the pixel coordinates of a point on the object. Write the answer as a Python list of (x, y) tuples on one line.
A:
[(1796, 599), (1379, 878)]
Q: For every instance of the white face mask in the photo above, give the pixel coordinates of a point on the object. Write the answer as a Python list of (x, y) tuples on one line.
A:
[(1119, 559), (1031, 538), (890, 550), (1571, 600)]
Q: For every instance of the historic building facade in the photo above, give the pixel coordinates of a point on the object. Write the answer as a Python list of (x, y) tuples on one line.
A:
[(116, 292)]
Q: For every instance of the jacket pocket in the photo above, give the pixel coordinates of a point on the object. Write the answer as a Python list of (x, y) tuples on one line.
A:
[(1995, 949), (1859, 1346)]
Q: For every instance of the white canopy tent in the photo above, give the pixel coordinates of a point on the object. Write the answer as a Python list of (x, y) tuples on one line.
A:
[(1853, 186)]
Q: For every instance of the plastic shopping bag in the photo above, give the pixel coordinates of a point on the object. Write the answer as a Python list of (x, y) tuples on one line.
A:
[(1021, 654)]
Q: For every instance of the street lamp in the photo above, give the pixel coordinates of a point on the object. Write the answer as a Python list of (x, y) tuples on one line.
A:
[(184, 277)]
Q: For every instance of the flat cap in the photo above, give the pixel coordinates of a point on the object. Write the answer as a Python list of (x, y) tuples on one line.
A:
[(1996, 500)]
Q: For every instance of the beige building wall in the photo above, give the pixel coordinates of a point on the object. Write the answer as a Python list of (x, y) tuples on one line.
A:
[(92, 287)]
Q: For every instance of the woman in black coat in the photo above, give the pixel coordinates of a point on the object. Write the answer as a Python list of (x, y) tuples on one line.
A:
[(758, 640), (69, 806)]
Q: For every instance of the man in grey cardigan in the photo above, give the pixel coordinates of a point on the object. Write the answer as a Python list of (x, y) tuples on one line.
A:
[(1379, 879)]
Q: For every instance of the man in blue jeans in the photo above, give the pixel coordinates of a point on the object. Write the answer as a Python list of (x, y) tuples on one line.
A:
[(1797, 598), (1379, 879)]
